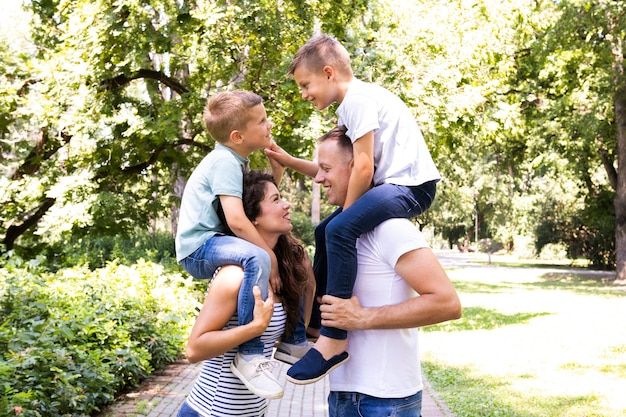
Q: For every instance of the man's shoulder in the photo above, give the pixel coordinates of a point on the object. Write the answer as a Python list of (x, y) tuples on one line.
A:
[(397, 226), (391, 237)]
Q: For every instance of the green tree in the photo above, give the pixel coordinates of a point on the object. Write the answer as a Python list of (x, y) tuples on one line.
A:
[(571, 80), (103, 120)]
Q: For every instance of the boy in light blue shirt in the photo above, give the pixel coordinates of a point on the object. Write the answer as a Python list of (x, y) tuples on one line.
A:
[(212, 211)]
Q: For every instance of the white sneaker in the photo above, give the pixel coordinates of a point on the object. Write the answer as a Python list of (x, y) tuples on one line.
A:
[(257, 376), (288, 353)]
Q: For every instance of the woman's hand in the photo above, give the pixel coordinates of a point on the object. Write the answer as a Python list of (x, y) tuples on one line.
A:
[(263, 310)]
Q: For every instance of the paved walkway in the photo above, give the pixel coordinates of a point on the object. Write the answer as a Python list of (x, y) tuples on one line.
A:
[(162, 394)]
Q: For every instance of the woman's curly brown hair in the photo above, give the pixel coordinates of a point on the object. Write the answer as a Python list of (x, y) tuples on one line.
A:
[(289, 250)]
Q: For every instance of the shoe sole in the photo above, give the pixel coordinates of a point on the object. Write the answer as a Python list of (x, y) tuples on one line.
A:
[(252, 389), (285, 357), (314, 380)]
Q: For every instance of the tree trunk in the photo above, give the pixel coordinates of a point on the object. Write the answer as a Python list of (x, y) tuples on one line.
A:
[(620, 192)]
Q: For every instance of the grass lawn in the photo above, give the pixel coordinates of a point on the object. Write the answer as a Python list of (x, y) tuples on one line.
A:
[(534, 340)]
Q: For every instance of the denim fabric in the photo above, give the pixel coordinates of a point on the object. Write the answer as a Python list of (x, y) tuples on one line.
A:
[(299, 333), (383, 202), (354, 404), (224, 250), (186, 411)]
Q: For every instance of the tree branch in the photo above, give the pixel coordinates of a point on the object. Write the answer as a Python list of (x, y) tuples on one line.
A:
[(15, 231), (134, 169), (43, 150), (123, 79)]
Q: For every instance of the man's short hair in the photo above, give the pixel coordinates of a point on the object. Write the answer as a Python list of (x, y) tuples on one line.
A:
[(320, 51), (228, 111), (339, 134)]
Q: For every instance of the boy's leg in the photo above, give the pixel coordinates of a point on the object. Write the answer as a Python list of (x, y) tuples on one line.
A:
[(320, 268), (377, 205), (381, 203), (250, 365), (230, 250), (294, 347)]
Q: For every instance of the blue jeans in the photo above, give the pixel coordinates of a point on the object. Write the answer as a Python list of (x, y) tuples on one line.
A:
[(354, 404), (341, 230), (222, 250), (186, 411), (299, 333)]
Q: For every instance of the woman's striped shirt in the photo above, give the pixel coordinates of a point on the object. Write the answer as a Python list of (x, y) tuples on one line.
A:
[(218, 392)]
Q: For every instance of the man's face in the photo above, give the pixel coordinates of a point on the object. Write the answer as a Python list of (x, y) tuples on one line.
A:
[(335, 166)]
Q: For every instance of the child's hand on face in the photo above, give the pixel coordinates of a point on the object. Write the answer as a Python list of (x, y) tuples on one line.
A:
[(276, 155)]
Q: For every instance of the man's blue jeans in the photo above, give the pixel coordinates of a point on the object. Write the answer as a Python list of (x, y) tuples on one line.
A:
[(354, 404), (222, 250), (338, 234)]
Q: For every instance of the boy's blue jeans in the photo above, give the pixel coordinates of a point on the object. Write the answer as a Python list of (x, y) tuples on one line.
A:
[(335, 237), (222, 250), (354, 404)]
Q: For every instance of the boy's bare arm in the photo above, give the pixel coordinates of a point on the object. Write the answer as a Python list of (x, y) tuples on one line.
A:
[(278, 154), (363, 169), (242, 227)]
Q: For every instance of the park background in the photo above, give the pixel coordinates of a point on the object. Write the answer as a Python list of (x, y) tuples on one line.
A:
[(522, 103)]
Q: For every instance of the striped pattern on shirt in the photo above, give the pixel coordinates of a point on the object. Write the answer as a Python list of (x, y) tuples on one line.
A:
[(218, 392)]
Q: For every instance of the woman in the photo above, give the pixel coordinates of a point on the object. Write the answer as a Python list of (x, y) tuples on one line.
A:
[(216, 335)]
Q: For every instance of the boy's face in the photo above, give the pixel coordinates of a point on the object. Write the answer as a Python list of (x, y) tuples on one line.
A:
[(257, 133), (316, 87)]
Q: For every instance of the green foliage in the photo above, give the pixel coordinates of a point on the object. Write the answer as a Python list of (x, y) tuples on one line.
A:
[(72, 340), (303, 228), (588, 233), (480, 318), (98, 250)]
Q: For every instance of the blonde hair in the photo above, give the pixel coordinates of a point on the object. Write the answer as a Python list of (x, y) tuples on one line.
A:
[(228, 111), (321, 51)]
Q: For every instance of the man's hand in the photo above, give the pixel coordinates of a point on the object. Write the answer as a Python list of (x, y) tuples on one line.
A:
[(346, 314)]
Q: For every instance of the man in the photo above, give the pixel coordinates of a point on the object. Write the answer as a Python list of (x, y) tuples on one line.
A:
[(400, 286)]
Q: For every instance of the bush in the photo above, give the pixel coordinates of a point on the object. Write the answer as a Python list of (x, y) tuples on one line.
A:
[(123, 249), (73, 339)]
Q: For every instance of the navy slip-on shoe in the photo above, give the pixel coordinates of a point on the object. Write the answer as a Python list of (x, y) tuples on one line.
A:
[(312, 367)]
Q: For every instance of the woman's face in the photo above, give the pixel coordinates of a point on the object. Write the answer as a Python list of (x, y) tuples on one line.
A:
[(274, 212)]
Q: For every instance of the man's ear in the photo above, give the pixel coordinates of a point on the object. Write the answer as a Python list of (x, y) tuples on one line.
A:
[(236, 137)]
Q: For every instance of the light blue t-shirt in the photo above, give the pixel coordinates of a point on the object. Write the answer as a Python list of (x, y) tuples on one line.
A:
[(219, 173)]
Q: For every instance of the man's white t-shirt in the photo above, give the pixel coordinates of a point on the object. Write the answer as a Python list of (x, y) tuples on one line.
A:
[(383, 363)]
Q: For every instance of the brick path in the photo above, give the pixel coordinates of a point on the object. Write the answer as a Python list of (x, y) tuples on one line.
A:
[(162, 394)]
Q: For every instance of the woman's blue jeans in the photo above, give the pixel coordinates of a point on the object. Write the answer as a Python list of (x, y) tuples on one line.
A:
[(354, 404), (336, 236), (222, 250)]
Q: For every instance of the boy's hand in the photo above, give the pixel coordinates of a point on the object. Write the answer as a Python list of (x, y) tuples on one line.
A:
[(277, 155), (275, 281), (277, 167)]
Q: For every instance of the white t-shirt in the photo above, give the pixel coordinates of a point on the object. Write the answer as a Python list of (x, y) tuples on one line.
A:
[(400, 152), (218, 392), (383, 363)]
